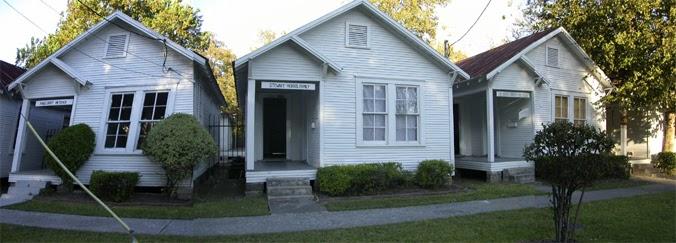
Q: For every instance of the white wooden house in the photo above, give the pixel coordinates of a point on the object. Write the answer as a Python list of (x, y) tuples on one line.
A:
[(513, 90), (10, 104), (353, 86), (119, 77)]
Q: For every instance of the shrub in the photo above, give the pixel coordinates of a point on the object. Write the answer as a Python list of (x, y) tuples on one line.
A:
[(360, 179), (73, 145), (178, 143), (665, 162), (616, 167), (433, 173), (113, 186)]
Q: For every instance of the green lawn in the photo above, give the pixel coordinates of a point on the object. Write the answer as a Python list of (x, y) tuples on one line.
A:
[(223, 207), (480, 191), (617, 183), (639, 219)]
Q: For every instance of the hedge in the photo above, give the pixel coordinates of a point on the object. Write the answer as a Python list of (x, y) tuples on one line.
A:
[(113, 186), (358, 179), (433, 173), (665, 162)]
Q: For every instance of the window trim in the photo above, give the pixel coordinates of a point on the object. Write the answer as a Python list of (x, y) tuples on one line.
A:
[(571, 96), (141, 120), (417, 114), (390, 129), (558, 56), (567, 117), (586, 116), (347, 35), (107, 43), (137, 107)]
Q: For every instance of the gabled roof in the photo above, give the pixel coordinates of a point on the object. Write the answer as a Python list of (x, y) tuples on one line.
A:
[(345, 8), (8, 73), (116, 16), (489, 63)]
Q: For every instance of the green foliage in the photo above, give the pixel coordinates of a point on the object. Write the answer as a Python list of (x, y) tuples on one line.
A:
[(616, 167), (360, 179), (73, 145), (113, 186), (433, 173), (178, 143), (665, 162), (417, 16)]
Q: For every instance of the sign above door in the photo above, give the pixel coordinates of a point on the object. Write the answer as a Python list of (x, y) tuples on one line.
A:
[(512, 94), (56, 102), (287, 85)]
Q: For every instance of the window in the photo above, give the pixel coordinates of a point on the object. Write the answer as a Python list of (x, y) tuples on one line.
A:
[(560, 108), (407, 113), (579, 110), (119, 119), (374, 112), (154, 109), (117, 45), (552, 57), (357, 36)]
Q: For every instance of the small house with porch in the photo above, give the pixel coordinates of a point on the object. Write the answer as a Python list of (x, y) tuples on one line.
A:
[(119, 77), (353, 86), (514, 89)]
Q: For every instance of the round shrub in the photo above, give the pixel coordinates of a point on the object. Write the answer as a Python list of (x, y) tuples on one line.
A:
[(360, 178), (334, 180), (665, 162), (433, 173), (178, 143), (73, 145), (113, 186)]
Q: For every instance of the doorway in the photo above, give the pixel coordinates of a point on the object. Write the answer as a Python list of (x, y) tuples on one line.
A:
[(274, 128)]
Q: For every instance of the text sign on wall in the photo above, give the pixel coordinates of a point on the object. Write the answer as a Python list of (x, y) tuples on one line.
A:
[(512, 94), (286, 85), (53, 102)]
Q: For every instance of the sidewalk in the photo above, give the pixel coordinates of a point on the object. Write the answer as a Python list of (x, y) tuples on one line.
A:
[(303, 221)]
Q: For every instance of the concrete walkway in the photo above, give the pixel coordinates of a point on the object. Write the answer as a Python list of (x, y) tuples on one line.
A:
[(304, 221)]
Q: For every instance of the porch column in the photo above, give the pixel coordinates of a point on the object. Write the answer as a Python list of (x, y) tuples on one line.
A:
[(20, 136), (490, 137), (451, 122), (250, 124)]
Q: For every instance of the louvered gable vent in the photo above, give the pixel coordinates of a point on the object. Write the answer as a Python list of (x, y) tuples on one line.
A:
[(552, 57), (116, 46), (357, 35)]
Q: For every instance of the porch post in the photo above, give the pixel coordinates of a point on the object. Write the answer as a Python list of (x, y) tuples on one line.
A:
[(20, 136), (451, 121), (250, 124), (490, 148)]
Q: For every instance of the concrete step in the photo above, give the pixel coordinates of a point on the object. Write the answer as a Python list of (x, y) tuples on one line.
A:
[(522, 178), (289, 190), (26, 189), (288, 182), (291, 197)]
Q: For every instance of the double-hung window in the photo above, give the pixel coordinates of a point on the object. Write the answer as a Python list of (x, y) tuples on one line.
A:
[(579, 111), (119, 120), (374, 115), (154, 110), (407, 113), (560, 108)]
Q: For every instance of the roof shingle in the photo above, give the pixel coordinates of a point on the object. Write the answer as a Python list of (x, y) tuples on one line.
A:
[(9, 73)]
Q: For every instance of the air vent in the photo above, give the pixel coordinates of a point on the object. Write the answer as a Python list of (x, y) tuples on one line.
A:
[(117, 45), (357, 35), (552, 57)]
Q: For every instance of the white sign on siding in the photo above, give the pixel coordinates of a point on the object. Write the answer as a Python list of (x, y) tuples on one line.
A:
[(287, 85), (512, 94), (53, 102)]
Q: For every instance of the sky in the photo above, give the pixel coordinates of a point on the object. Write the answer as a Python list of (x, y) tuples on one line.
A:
[(238, 22)]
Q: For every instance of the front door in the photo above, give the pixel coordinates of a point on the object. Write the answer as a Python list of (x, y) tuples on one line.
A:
[(274, 128)]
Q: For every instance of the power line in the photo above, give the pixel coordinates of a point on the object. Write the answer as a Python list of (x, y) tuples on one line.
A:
[(475, 21)]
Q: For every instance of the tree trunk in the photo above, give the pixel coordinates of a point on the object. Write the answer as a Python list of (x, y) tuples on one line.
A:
[(669, 130)]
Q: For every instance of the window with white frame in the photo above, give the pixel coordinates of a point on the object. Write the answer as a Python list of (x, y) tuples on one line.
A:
[(374, 114), (119, 120), (154, 110), (579, 110), (407, 115), (560, 108)]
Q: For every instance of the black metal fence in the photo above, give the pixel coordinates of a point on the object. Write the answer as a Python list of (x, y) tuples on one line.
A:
[(229, 136)]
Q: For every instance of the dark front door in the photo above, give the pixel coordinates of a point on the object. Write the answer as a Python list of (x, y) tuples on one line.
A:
[(456, 128), (274, 128)]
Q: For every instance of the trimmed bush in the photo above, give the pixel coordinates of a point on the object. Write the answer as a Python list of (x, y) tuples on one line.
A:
[(113, 186), (178, 143), (73, 145), (433, 173), (617, 167), (360, 179), (665, 162)]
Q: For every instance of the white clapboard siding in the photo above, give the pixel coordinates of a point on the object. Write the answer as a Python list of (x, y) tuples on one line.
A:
[(49, 82), (286, 62), (8, 119)]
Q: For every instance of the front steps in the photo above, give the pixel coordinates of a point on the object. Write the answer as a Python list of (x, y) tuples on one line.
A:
[(21, 191), (519, 175), (291, 195)]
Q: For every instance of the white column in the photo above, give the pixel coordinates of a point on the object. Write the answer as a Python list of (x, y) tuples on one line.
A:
[(451, 123), (250, 124), (490, 136), (623, 138), (20, 136)]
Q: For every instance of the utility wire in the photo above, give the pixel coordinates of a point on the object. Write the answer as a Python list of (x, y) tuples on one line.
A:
[(475, 21)]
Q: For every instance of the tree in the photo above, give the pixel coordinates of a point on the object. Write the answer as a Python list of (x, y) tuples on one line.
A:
[(417, 16), (179, 22), (569, 158), (631, 41)]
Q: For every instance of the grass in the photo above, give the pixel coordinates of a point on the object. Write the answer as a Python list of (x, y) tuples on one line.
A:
[(225, 207), (617, 183), (639, 219), (480, 191)]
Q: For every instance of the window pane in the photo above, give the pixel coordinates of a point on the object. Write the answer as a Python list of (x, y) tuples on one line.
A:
[(147, 113), (368, 120), (412, 106), (117, 100), (368, 91), (412, 134), (162, 98), (125, 114), (379, 134), (144, 129), (401, 122), (412, 121), (401, 93), (121, 142), (110, 141), (159, 113), (379, 120), (380, 91), (401, 134), (114, 114), (128, 100), (412, 93), (380, 105), (401, 107), (368, 105), (149, 99), (112, 129), (368, 134)]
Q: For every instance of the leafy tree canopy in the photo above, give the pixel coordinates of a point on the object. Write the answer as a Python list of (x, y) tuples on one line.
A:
[(418, 16)]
